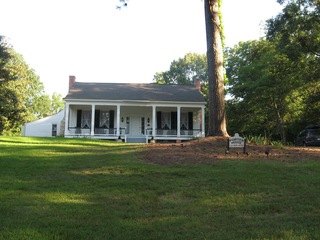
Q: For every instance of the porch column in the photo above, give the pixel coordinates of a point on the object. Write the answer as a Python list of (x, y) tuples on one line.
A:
[(203, 126), (93, 109), (118, 120), (154, 117), (66, 120), (178, 121)]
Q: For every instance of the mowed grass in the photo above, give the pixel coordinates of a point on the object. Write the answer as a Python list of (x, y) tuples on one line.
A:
[(54, 188)]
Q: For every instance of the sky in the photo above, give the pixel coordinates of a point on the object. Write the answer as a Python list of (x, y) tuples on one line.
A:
[(95, 42)]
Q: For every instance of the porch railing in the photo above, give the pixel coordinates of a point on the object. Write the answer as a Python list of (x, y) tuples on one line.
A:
[(174, 132), (109, 131), (76, 131)]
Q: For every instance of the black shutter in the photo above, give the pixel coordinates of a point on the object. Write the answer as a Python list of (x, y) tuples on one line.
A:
[(190, 120), (111, 119), (97, 118), (158, 120), (173, 120), (79, 114)]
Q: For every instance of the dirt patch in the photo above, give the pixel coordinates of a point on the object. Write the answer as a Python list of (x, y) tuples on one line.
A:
[(213, 149)]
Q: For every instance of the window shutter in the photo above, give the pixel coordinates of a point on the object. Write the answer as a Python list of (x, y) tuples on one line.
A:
[(111, 119), (97, 118), (190, 120), (158, 120), (79, 114), (173, 120)]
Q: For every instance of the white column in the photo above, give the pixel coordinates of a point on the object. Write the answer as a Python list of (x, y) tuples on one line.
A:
[(118, 120), (203, 127), (93, 109), (66, 119), (154, 117), (178, 121)]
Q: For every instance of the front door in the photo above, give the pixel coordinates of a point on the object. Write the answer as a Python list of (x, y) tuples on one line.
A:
[(136, 125)]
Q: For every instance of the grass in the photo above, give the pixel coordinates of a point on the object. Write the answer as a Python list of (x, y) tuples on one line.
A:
[(54, 188)]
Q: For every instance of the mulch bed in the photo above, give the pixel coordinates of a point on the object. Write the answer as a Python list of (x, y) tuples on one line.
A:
[(212, 149)]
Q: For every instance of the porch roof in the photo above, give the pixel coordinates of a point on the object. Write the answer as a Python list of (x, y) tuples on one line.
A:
[(135, 92)]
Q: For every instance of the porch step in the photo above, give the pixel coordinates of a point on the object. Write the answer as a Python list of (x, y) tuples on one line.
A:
[(136, 139)]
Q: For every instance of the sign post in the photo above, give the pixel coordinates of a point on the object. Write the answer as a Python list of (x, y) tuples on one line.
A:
[(237, 142)]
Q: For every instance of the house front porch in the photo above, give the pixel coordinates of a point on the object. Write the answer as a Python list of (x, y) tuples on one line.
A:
[(140, 122)]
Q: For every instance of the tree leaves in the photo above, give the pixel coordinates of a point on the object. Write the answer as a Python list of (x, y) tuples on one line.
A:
[(275, 82), (184, 70), (22, 95), (297, 28)]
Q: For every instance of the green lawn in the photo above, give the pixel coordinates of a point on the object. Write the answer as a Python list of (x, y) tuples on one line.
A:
[(56, 188)]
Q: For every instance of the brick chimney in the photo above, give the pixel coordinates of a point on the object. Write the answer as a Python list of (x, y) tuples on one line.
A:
[(197, 83), (72, 80)]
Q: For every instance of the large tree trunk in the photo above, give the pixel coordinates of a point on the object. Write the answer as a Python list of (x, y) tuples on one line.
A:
[(217, 115)]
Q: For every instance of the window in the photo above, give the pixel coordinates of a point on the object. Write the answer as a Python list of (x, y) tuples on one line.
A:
[(127, 125), (104, 119), (143, 125), (184, 121), (54, 130), (86, 119), (166, 120)]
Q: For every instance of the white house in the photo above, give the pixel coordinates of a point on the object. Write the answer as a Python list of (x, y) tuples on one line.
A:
[(134, 112), (45, 127)]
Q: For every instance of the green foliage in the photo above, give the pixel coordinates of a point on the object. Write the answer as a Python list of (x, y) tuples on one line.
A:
[(261, 84), (311, 103), (263, 140), (13, 109), (185, 70), (297, 28), (22, 96), (297, 31), (54, 188), (260, 140), (4, 58), (269, 93), (275, 82), (44, 105), (57, 103)]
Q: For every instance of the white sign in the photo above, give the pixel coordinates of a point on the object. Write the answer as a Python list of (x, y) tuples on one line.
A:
[(236, 141)]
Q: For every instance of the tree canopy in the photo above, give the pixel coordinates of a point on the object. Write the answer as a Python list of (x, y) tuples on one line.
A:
[(297, 28), (22, 95), (275, 81), (185, 70), (262, 86)]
